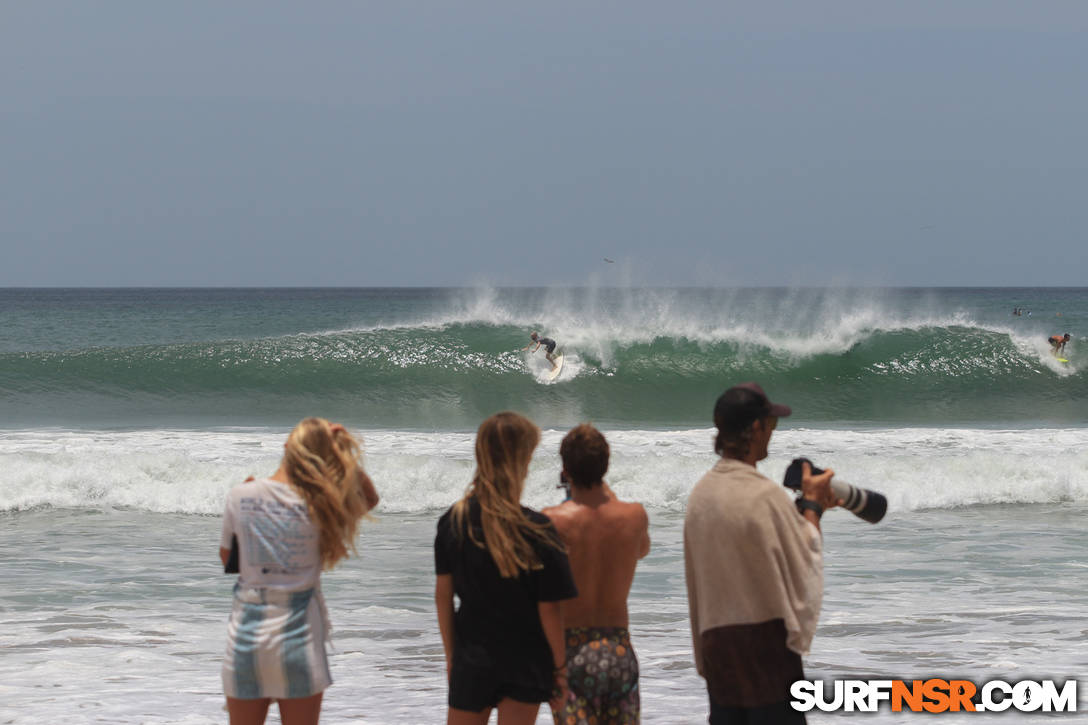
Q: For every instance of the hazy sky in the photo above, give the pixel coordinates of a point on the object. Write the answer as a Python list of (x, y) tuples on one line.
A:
[(450, 143)]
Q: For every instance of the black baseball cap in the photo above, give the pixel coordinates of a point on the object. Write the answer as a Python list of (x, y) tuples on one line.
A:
[(741, 405)]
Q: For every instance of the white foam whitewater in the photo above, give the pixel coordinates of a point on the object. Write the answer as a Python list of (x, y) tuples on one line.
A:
[(190, 471)]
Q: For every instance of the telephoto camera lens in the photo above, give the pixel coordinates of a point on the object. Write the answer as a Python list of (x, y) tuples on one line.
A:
[(861, 502)]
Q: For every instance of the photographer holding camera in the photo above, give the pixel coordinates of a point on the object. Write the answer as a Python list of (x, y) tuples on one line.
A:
[(754, 567)]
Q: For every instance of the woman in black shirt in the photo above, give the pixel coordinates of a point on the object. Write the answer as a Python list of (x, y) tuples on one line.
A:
[(504, 644)]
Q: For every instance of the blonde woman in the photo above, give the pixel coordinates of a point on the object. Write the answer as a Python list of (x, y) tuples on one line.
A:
[(289, 527), (504, 644)]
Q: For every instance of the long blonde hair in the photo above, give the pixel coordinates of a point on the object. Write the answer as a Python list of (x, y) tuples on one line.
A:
[(322, 463), (504, 447)]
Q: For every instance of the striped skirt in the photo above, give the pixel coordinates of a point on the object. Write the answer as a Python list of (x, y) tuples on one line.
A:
[(276, 644)]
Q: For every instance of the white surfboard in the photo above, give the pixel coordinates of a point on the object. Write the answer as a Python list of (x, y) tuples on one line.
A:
[(553, 374)]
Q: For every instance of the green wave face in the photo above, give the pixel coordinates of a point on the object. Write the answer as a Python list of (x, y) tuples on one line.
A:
[(628, 372)]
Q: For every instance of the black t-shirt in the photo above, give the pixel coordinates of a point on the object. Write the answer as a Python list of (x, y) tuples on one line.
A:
[(498, 622)]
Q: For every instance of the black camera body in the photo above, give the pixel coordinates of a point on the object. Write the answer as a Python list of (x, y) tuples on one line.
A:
[(861, 502)]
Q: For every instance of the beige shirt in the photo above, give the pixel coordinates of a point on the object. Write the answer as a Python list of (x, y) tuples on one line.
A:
[(749, 557)]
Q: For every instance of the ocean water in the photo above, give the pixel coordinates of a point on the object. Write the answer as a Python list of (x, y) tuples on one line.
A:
[(126, 415)]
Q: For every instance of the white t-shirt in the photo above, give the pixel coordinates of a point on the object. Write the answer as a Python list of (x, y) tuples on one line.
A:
[(278, 546)]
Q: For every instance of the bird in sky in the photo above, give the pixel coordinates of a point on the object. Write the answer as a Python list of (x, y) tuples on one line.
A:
[(610, 261)]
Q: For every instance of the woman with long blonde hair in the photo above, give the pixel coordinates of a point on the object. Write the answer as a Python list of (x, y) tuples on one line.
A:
[(285, 530), (504, 644)]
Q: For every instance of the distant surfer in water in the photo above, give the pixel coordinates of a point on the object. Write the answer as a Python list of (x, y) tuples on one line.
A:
[(549, 347), (1057, 343)]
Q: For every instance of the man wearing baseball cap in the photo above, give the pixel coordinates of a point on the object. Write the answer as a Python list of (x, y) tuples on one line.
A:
[(754, 567)]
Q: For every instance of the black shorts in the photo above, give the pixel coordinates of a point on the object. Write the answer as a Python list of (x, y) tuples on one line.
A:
[(474, 688), (550, 347)]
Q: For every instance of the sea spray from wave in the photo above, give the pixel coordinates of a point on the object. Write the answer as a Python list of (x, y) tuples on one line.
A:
[(189, 472), (795, 323)]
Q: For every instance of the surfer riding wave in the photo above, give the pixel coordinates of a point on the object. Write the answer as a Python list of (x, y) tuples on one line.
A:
[(1057, 343), (549, 347)]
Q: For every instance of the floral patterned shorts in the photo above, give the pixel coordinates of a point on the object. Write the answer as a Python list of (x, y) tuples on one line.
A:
[(602, 675)]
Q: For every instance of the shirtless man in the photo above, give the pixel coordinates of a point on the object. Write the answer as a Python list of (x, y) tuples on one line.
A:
[(549, 347), (1057, 343), (605, 538)]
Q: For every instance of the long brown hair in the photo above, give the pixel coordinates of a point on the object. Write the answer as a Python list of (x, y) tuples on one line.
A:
[(504, 447), (322, 463)]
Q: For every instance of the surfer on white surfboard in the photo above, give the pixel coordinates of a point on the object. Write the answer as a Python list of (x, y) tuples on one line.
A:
[(549, 348)]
